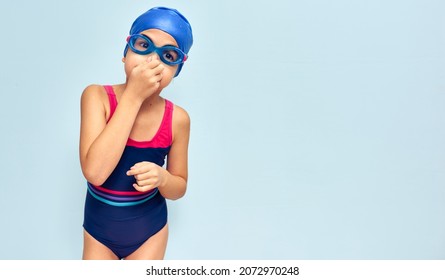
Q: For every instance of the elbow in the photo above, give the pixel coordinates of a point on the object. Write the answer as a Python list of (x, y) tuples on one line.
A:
[(96, 182), (174, 193), (176, 196), (94, 177)]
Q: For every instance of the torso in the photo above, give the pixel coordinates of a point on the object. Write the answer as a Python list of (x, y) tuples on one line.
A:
[(150, 140)]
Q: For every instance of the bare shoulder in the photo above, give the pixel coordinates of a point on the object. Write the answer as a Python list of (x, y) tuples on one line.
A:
[(94, 97), (93, 92), (180, 117), (180, 123)]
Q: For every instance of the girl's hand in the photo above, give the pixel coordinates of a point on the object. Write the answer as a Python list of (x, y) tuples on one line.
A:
[(145, 78), (148, 176)]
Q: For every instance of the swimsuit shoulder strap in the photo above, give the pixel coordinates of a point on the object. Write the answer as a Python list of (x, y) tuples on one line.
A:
[(112, 99), (168, 120)]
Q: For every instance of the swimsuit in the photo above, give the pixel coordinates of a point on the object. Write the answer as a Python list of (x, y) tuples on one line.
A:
[(116, 214)]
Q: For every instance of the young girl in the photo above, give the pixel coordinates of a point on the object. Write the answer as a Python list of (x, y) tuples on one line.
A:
[(127, 131)]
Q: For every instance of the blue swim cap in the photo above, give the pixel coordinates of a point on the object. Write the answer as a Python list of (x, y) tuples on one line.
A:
[(168, 20)]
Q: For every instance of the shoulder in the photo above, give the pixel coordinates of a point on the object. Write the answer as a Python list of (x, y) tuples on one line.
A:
[(180, 116), (93, 91), (180, 123), (94, 94)]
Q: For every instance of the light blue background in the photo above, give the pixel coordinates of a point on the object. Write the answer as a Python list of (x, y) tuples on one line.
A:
[(317, 126)]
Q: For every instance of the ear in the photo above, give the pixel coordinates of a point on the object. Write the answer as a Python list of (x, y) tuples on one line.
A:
[(123, 59)]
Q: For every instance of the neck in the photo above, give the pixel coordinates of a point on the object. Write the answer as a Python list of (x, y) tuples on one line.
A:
[(152, 101)]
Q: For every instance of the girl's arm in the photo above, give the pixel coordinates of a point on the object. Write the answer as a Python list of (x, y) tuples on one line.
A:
[(102, 143), (171, 182), (177, 160)]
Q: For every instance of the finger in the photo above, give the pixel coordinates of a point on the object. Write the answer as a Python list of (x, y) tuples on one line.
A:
[(139, 188), (132, 172), (142, 176), (144, 164), (139, 164), (147, 66), (159, 68), (135, 171), (139, 168), (146, 182), (153, 62), (153, 76), (143, 188)]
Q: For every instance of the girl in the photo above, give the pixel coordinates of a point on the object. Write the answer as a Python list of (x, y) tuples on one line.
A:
[(127, 131)]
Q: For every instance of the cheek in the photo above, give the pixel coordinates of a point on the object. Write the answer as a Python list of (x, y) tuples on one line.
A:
[(127, 69), (129, 64), (169, 72), (167, 75)]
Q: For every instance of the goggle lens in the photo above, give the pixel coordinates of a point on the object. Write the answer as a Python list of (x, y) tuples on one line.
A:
[(170, 55)]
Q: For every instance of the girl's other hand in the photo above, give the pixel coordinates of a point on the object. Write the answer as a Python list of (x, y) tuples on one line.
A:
[(148, 176)]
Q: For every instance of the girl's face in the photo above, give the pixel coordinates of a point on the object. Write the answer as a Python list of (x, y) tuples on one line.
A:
[(159, 38)]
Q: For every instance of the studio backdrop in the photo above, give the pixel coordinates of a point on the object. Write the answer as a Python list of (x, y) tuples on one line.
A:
[(317, 127)]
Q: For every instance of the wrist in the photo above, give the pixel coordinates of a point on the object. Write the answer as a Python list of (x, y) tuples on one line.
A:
[(132, 99), (165, 177)]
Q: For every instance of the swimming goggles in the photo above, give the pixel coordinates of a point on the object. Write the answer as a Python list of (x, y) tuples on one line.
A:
[(170, 55)]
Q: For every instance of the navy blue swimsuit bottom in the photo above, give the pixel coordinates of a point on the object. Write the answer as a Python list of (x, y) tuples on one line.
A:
[(112, 225)]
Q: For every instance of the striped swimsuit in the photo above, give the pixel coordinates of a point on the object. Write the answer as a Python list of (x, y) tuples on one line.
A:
[(116, 214)]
